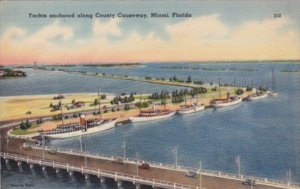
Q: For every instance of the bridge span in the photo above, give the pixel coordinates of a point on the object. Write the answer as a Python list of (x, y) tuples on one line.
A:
[(126, 170)]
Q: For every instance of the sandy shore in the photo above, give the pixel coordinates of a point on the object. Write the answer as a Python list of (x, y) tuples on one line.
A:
[(121, 115), (16, 107)]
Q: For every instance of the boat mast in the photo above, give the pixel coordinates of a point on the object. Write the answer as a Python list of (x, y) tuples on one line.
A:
[(61, 113), (219, 87), (140, 103), (251, 86), (273, 81), (234, 82), (184, 100), (100, 115), (165, 102)]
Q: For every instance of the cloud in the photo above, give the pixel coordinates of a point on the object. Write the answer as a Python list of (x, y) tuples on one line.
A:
[(195, 28), (201, 38), (103, 29), (13, 32), (51, 31)]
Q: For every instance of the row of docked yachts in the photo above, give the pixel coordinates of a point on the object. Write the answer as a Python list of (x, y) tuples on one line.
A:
[(89, 126), (150, 115)]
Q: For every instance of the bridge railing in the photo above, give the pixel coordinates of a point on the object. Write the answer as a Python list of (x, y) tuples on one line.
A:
[(98, 172), (172, 167)]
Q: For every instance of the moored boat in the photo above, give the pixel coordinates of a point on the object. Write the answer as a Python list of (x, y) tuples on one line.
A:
[(151, 115), (229, 101), (190, 109), (272, 93), (77, 129), (257, 95), (194, 107)]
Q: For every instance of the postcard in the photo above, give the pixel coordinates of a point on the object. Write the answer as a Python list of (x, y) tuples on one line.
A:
[(150, 94)]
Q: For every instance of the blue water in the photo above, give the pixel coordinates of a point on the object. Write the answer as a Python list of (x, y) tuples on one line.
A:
[(265, 133)]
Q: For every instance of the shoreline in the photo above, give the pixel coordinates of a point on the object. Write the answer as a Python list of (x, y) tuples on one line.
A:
[(122, 115), (46, 95)]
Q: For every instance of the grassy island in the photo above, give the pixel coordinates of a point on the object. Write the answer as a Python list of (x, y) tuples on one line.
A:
[(6, 73)]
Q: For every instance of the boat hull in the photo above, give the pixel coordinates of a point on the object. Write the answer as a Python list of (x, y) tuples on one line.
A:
[(273, 94), (221, 105), (191, 110), (258, 97), (96, 129), (152, 118)]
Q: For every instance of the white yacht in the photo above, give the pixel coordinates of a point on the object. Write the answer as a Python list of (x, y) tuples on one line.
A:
[(77, 129)]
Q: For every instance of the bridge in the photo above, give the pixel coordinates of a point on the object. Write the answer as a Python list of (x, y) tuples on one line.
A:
[(127, 170)]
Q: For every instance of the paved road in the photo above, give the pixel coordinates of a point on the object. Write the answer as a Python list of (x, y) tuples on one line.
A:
[(208, 182)]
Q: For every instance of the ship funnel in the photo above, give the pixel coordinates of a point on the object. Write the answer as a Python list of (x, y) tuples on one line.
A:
[(82, 120), (228, 95)]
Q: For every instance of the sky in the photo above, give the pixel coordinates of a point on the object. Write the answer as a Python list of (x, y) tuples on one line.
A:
[(216, 31)]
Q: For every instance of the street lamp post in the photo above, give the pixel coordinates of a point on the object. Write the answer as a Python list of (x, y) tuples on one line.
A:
[(85, 161), (124, 149), (176, 158), (137, 164), (43, 142), (200, 174), (7, 141), (238, 161)]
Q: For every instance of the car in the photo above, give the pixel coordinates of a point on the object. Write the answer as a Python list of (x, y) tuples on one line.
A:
[(250, 182), (144, 166), (26, 146), (119, 161), (52, 151), (191, 174)]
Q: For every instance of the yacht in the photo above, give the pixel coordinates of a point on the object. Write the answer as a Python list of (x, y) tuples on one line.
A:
[(82, 128), (257, 95), (151, 115), (186, 109), (229, 101)]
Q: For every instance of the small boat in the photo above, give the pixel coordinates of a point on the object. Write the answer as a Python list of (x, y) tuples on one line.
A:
[(151, 115), (190, 109), (257, 95), (77, 129), (272, 93), (186, 109), (229, 101)]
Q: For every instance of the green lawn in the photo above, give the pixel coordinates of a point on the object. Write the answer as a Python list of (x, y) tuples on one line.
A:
[(23, 132)]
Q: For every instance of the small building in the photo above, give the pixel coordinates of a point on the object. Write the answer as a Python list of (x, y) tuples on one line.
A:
[(58, 97), (70, 106), (79, 104)]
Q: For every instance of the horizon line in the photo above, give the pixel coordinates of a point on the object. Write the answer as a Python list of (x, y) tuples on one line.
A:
[(200, 61)]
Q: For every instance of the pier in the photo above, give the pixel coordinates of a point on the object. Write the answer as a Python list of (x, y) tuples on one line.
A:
[(104, 167)]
